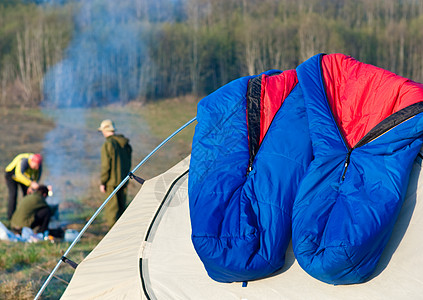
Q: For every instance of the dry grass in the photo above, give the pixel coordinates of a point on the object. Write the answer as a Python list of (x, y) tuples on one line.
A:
[(13, 289)]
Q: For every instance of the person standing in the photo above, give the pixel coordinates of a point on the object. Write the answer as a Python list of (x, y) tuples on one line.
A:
[(115, 166), (24, 171), (32, 211)]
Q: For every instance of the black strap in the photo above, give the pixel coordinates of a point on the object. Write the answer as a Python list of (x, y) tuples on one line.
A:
[(253, 117), (138, 179), (69, 262)]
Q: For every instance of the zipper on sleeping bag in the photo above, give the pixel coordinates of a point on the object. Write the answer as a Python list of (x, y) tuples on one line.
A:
[(347, 158), (346, 164), (370, 136), (250, 168), (383, 127), (254, 117)]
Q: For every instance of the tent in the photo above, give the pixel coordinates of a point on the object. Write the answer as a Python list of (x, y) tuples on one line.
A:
[(148, 254), (164, 247)]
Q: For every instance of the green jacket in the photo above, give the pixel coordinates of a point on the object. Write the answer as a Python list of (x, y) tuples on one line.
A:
[(24, 214), (115, 160)]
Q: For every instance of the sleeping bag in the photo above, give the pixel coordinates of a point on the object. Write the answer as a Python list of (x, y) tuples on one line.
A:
[(321, 154), (250, 149), (366, 129)]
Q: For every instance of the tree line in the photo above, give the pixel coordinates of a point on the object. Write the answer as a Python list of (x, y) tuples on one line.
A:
[(146, 50)]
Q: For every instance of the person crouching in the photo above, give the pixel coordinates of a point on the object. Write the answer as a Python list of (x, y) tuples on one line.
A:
[(32, 211)]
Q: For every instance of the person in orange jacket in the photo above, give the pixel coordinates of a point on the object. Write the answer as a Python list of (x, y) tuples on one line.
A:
[(24, 170)]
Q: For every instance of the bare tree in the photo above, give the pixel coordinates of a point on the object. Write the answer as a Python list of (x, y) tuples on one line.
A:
[(313, 35)]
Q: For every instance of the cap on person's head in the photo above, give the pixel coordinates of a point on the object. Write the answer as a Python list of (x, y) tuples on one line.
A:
[(37, 158), (107, 125)]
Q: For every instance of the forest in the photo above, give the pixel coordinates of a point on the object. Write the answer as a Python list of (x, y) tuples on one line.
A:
[(93, 53)]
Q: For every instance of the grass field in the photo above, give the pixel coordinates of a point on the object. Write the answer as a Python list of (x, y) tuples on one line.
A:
[(71, 145)]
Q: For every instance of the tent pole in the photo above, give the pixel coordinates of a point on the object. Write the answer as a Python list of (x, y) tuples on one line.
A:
[(104, 203)]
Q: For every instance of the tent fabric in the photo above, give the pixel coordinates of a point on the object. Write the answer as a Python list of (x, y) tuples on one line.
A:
[(112, 269), (323, 145), (172, 269)]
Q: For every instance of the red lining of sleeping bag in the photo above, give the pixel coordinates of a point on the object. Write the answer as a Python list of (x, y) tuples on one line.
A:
[(362, 95), (273, 92)]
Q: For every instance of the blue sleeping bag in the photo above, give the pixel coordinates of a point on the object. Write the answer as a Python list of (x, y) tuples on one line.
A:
[(240, 208), (350, 197)]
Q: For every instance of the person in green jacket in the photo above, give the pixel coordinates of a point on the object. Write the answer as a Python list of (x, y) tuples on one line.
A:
[(115, 166), (32, 211), (24, 171)]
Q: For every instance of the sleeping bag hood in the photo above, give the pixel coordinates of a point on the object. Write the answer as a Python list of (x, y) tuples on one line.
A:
[(320, 154)]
